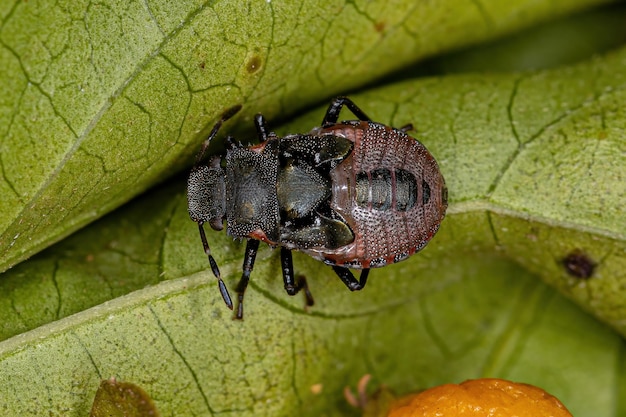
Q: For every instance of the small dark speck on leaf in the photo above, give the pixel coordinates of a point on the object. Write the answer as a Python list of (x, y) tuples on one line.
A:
[(202, 65), (578, 264), (379, 26), (253, 64)]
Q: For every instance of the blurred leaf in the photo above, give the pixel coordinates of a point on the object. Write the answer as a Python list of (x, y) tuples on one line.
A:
[(99, 101), (566, 40)]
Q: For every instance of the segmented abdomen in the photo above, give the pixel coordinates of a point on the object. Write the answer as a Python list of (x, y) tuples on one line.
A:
[(390, 192)]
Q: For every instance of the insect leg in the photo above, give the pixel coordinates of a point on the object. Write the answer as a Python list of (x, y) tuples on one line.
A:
[(363, 277), (225, 116), (214, 268), (351, 282), (332, 114), (293, 286), (230, 142), (261, 127), (248, 263), (407, 127)]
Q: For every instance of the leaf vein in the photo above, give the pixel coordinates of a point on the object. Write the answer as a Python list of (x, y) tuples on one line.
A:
[(192, 372)]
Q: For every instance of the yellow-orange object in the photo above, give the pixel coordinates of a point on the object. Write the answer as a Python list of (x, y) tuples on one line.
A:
[(487, 397)]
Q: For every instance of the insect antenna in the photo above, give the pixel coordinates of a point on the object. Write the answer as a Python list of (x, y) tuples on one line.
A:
[(225, 116), (214, 268)]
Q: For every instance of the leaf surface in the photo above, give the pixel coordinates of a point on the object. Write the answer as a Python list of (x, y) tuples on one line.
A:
[(176, 339), (535, 169), (99, 101)]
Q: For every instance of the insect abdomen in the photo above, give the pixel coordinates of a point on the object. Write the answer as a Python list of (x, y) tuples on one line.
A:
[(389, 191), (386, 189)]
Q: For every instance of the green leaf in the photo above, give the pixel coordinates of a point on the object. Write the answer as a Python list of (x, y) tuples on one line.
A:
[(565, 40), (102, 100), (480, 316), (535, 168), (534, 163), (117, 255)]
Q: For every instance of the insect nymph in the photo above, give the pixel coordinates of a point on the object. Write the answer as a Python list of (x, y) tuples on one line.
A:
[(354, 194)]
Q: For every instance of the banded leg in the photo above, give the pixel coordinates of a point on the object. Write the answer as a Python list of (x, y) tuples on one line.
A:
[(261, 127), (197, 201), (407, 127), (248, 263), (351, 282), (332, 114), (230, 142), (293, 286), (214, 268)]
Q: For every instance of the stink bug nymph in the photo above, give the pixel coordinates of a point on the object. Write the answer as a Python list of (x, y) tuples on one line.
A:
[(355, 194)]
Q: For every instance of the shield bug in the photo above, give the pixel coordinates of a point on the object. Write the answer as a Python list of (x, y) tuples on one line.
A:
[(354, 194)]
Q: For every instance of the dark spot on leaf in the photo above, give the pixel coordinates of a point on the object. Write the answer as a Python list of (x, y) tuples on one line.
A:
[(379, 26), (578, 264), (115, 398), (533, 234), (253, 64), (202, 65)]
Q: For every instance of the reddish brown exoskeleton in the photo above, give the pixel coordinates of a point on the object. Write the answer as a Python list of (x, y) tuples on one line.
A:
[(355, 194)]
